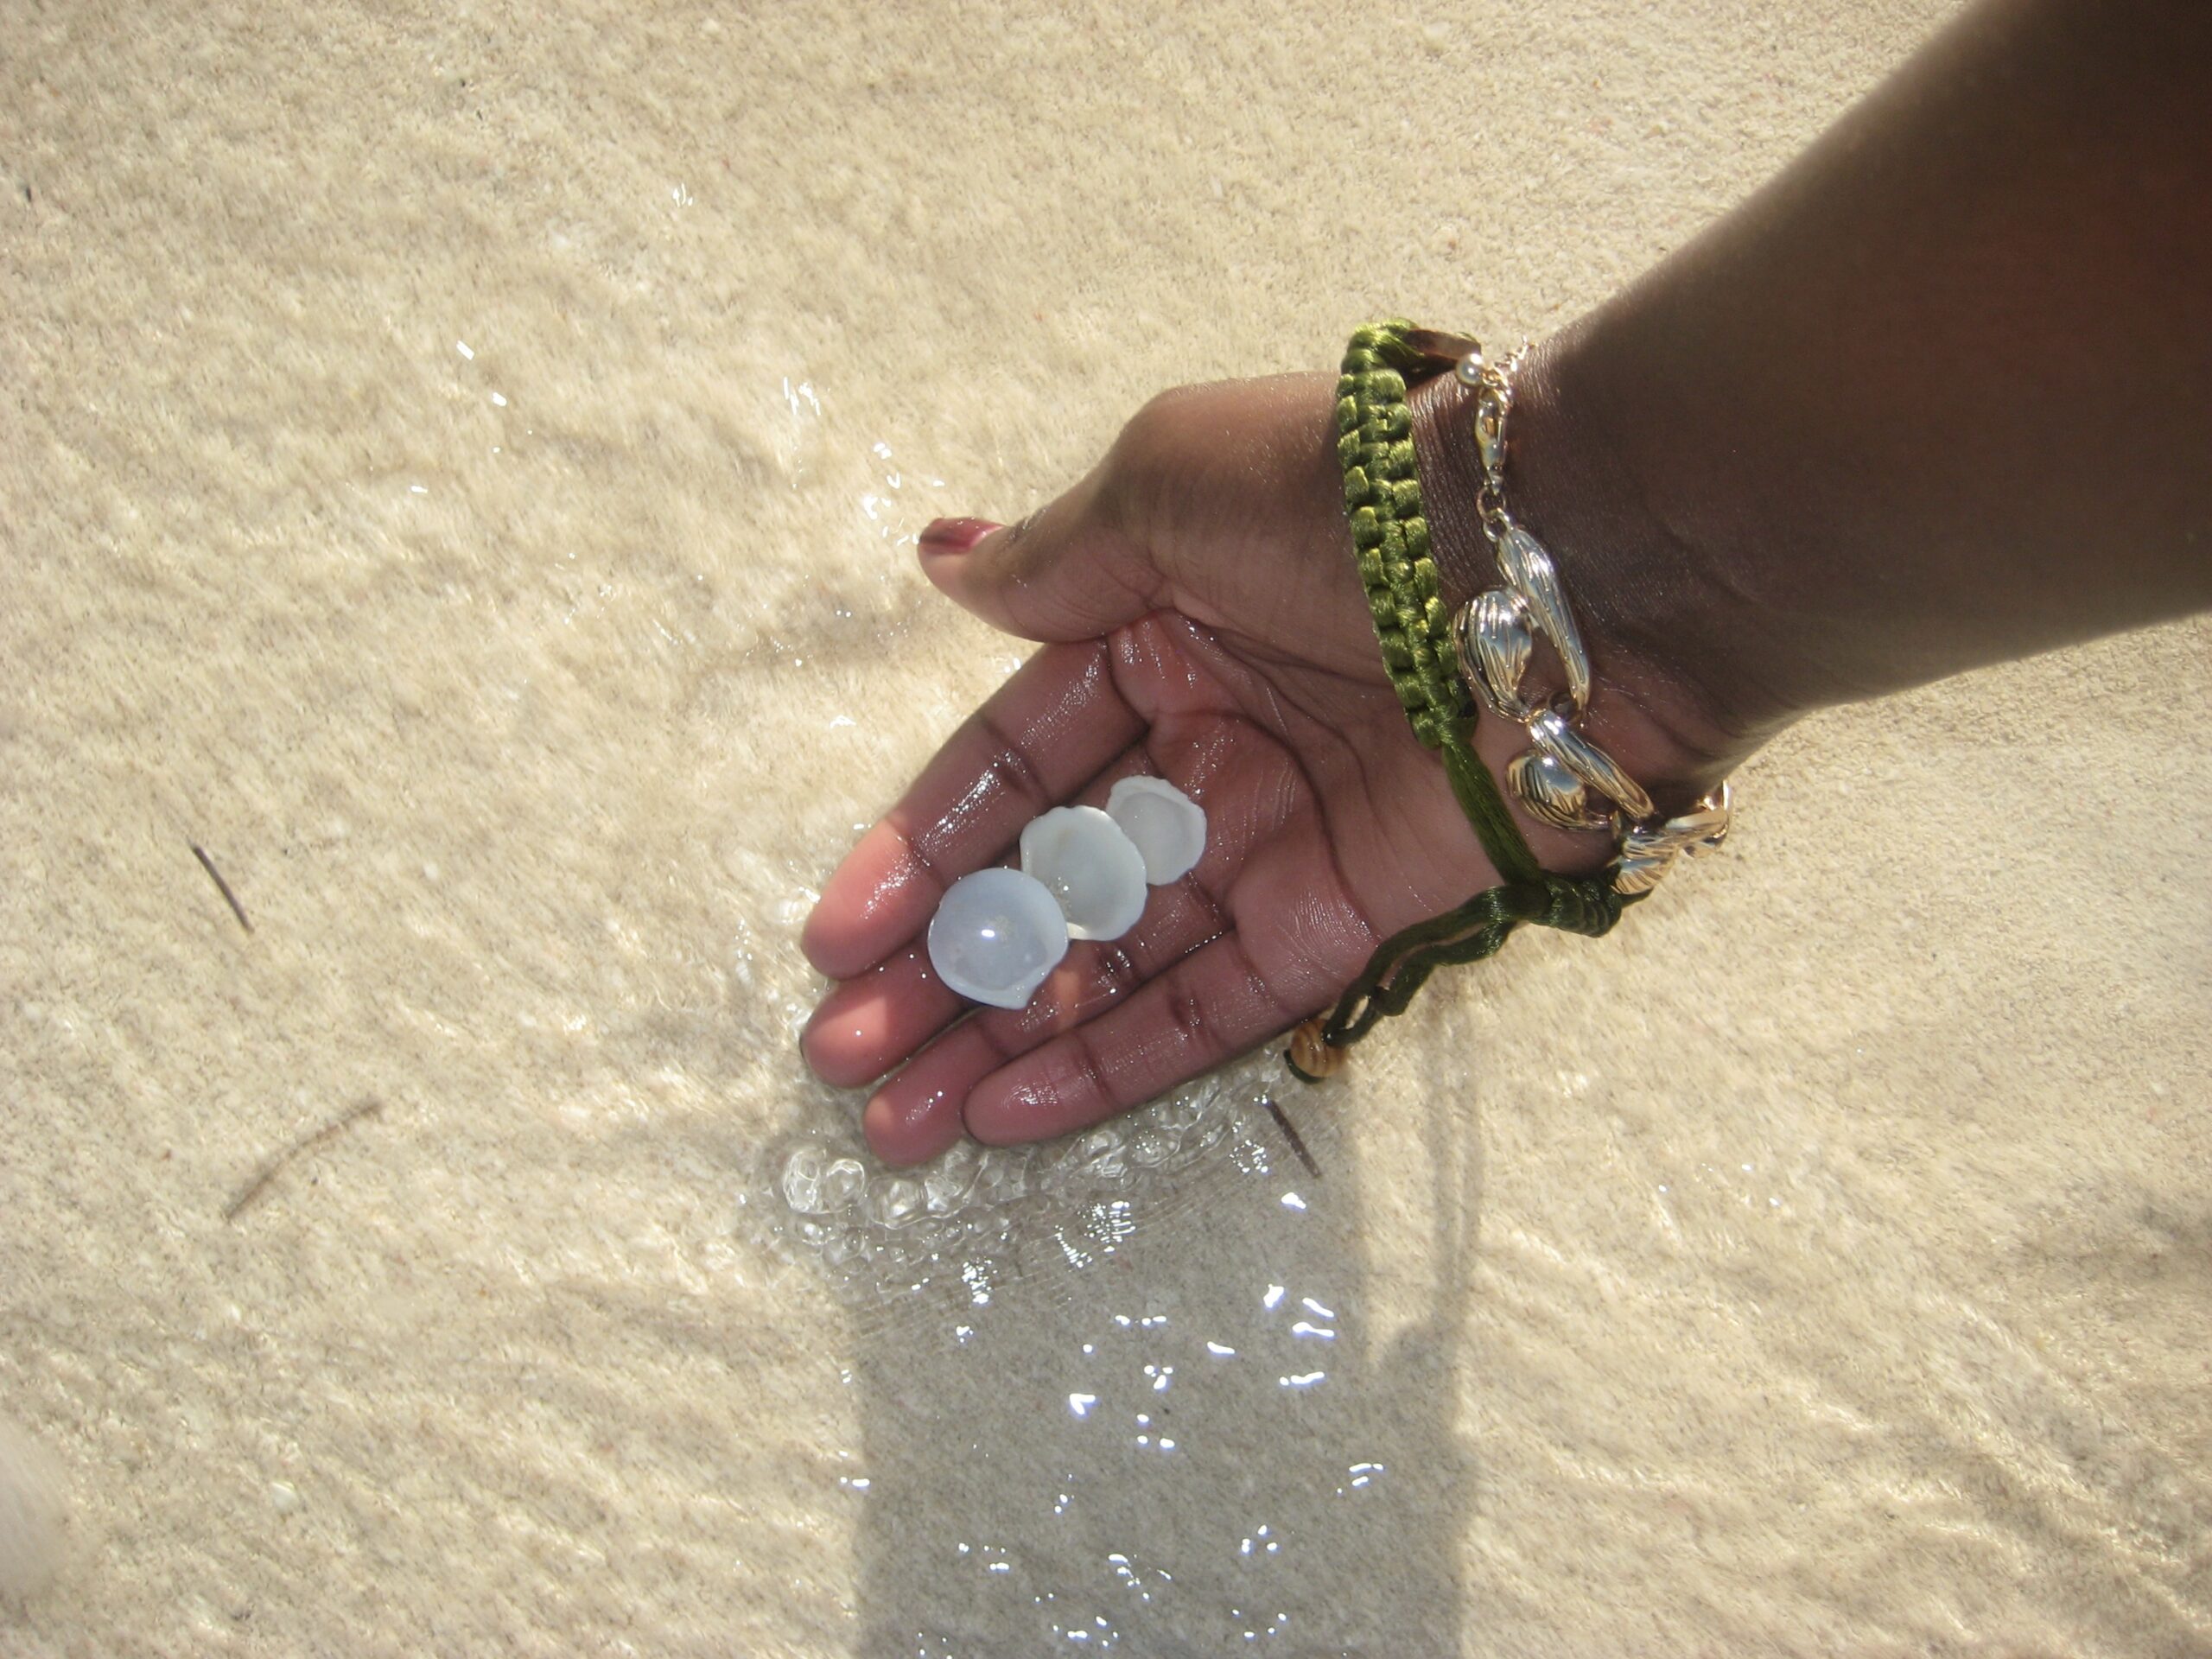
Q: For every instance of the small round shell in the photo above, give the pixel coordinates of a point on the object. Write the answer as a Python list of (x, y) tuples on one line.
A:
[(1168, 827), (996, 934), (1091, 868)]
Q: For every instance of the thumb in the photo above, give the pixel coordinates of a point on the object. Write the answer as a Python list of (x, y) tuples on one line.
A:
[(1060, 574)]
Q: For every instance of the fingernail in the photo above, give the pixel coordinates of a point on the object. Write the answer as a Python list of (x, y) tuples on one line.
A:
[(955, 535)]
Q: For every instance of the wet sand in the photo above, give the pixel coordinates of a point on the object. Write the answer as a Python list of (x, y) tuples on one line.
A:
[(458, 474)]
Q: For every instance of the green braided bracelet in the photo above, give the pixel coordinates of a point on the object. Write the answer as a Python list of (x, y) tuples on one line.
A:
[(1383, 500)]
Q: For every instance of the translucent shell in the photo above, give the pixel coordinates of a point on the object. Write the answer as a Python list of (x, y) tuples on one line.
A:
[(1094, 870), (997, 933), (1168, 827)]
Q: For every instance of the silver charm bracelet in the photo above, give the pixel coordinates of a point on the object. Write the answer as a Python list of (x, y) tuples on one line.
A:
[(1563, 778)]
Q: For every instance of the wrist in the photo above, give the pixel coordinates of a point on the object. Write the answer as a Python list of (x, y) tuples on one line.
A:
[(1660, 702)]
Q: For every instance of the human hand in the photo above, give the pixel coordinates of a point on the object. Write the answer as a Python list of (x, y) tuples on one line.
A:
[(1204, 621)]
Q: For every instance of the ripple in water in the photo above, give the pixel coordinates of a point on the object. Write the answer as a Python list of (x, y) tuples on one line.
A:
[(965, 1222)]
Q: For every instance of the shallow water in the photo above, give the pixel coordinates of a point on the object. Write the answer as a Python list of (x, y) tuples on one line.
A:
[(460, 473)]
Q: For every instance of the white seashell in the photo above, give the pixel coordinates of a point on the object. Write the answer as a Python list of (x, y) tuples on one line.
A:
[(1168, 827), (1092, 867), (996, 935)]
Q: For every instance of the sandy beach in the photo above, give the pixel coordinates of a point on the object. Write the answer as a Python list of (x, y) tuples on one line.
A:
[(458, 474)]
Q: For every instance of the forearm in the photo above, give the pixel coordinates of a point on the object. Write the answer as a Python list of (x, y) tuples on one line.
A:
[(1940, 395)]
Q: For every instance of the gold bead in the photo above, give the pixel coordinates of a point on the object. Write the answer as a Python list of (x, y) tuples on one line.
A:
[(1313, 1057), (1641, 872)]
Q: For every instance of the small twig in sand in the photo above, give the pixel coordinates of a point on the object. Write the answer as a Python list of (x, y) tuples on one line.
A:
[(1290, 1135), (221, 886), (368, 1107)]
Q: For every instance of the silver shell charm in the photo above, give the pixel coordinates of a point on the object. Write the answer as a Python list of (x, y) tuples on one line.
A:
[(1706, 825), (1696, 832), (1552, 793), (1529, 568), (1641, 872), (1490, 638), (1551, 733), (1564, 781), (1649, 850)]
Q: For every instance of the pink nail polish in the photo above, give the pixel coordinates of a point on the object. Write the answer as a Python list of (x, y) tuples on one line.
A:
[(955, 535)]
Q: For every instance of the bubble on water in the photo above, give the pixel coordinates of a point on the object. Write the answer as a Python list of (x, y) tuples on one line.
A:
[(897, 1202), (802, 1181), (1003, 1175), (842, 1183), (1099, 1155), (1149, 1148), (972, 1219), (949, 1181)]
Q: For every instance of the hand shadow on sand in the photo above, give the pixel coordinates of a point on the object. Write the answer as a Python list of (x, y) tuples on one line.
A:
[(1077, 1466)]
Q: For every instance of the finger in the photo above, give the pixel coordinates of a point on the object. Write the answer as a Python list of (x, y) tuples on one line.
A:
[(1035, 740), (866, 1025), (1063, 573), (917, 1113), (877, 1022), (1262, 848), (1209, 1008)]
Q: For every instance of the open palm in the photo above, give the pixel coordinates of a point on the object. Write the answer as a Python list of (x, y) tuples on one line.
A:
[(1205, 623)]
